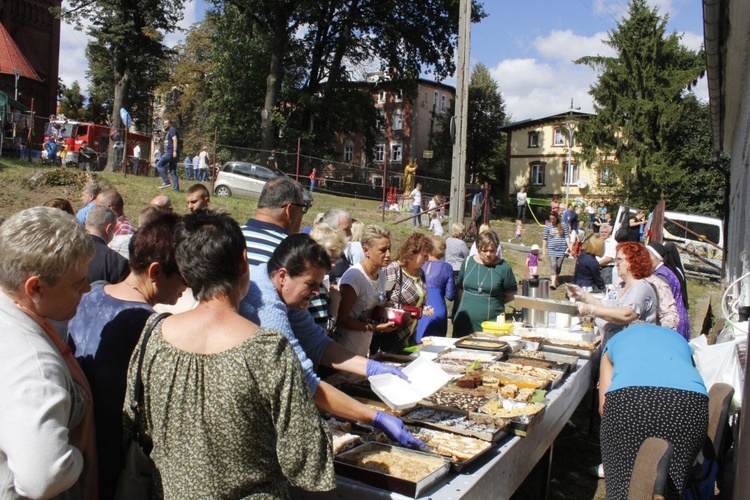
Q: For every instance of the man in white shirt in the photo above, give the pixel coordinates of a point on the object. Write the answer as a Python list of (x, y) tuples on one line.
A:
[(136, 158), (416, 204), (607, 261)]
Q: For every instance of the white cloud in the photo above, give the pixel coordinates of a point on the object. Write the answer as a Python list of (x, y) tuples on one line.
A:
[(691, 40), (567, 46)]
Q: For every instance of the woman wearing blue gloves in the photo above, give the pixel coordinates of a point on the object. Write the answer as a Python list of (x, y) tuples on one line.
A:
[(279, 294)]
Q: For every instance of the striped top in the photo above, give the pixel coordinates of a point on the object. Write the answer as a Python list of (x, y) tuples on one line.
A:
[(261, 239), (556, 244)]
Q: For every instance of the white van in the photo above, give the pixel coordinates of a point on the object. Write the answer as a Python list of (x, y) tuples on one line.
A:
[(696, 252)]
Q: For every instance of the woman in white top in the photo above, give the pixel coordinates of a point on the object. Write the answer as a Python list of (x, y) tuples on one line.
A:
[(416, 204), (362, 288)]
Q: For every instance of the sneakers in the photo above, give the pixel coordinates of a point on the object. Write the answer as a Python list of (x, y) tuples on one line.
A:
[(165, 185)]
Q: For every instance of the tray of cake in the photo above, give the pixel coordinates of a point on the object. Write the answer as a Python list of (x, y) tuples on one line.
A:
[(482, 342), (472, 424), (392, 468), (555, 377), (570, 346), (523, 416), (553, 357), (458, 361), (539, 363)]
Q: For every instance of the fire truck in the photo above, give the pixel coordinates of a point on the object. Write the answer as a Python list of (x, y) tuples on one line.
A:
[(70, 134)]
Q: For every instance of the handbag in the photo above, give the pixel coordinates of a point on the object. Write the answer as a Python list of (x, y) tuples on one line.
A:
[(136, 479), (385, 314)]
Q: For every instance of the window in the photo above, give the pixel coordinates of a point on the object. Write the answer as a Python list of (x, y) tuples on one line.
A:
[(263, 173), (396, 150), (559, 136), (435, 103), (378, 153), (571, 173), (382, 96), (377, 181), (534, 139), (381, 122), (443, 102), (242, 169), (606, 175), (398, 96), (537, 174), (398, 120), (348, 152)]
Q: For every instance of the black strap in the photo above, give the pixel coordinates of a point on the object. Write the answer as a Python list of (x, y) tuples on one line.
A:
[(137, 403)]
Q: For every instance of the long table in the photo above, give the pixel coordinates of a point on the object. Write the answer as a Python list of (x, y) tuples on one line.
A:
[(511, 462)]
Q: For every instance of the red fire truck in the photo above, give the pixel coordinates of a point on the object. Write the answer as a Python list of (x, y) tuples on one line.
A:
[(70, 134)]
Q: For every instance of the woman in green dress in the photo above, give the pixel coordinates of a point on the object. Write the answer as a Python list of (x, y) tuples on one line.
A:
[(226, 406), (485, 284)]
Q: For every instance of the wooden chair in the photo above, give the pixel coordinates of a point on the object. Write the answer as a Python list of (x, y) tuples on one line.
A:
[(648, 480), (719, 398)]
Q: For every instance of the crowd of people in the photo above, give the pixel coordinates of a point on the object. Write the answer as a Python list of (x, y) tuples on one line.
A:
[(258, 313)]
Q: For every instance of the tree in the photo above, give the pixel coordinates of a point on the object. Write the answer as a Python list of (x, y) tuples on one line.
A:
[(485, 144), (639, 98), (72, 102), (128, 54)]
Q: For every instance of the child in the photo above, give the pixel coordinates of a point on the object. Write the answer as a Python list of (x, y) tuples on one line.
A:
[(435, 226), (519, 233), (532, 262)]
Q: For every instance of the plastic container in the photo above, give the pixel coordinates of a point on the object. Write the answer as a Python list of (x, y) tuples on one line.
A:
[(496, 328), (424, 378)]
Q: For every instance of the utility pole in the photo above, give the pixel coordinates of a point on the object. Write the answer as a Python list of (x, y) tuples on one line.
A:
[(458, 170)]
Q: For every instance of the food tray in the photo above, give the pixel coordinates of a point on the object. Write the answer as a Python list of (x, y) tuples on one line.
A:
[(560, 347), (549, 364), (346, 465), (520, 381), (551, 375), (460, 360), (399, 360), (440, 443), (456, 399), (521, 425), (572, 360), (472, 424), (482, 344)]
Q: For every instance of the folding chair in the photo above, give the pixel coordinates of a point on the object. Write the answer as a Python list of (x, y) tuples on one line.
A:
[(648, 480)]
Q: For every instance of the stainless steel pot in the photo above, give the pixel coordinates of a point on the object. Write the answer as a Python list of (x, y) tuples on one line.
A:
[(537, 288)]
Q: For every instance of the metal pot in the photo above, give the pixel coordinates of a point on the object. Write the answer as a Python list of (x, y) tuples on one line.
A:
[(537, 288)]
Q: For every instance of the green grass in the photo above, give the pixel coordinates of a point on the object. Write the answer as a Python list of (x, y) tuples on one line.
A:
[(138, 191)]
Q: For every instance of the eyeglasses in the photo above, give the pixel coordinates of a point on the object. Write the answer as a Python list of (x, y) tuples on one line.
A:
[(304, 206), (620, 259)]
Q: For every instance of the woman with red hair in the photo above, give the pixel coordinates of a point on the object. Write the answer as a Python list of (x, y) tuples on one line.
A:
[(633, 299)]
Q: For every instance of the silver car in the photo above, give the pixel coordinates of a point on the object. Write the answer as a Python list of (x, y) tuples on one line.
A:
[(243, 179)]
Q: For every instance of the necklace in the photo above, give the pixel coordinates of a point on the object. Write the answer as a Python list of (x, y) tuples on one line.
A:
[(220, 308), (136, 289), (487, 271)]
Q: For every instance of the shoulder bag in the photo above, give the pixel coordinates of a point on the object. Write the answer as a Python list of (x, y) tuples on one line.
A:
[(136, 480)]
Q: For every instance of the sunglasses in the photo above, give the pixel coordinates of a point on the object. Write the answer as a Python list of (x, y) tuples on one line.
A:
[(304, 206)]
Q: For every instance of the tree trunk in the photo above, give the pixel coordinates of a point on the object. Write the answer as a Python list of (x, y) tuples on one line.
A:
[(122, 86)]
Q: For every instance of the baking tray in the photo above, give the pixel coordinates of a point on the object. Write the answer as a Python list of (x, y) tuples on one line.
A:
[(554, 365), (343, 467), (550, 305), (457, 464), (520, 381), (478, 425), (548, 345), (554, 382), (471, 400), (399, 360), (521, 425), (482, 344), (560, 358), (458, 361)]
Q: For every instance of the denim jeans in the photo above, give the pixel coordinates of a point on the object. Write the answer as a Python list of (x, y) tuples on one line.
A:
[(418, 219), (167, 160), (189, 172)]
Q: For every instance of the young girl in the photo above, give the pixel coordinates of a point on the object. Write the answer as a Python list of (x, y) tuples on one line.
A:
[(519, 233), (435, 226), (532, 262)]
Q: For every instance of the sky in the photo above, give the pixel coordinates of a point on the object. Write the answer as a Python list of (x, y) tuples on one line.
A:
[(528, 45)]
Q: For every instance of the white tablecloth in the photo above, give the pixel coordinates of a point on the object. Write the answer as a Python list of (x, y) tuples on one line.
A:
[(501, 476)]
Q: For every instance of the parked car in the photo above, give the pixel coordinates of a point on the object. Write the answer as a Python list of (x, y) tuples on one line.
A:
[(243, 179)]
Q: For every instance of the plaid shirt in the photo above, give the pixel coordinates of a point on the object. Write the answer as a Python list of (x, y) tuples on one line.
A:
[(124, 227), (407, 291)]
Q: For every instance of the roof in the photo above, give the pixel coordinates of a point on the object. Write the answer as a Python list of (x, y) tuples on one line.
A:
[(557, 117), (12, 59)]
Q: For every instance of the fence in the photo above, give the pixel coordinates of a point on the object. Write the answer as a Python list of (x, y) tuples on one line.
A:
[(339, 178)]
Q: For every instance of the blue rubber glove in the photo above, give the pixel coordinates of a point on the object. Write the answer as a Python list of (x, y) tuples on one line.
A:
[(376, 368), (395, 430)]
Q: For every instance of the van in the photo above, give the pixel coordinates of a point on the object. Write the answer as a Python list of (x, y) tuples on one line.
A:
[(696, 252)]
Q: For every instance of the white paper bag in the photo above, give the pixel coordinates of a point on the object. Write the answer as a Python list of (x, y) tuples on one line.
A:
[(719, 363)]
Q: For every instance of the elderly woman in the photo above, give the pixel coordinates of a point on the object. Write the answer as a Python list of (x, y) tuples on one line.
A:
[(334, 243), (587, 272), (653, 392), (106, 329), (225, 402), (362, 288), (633, 299), (485, 284), (47, 445), (278, 298), (408, 289), (555, 245), (662, 271), (456, 249), (438, 276)]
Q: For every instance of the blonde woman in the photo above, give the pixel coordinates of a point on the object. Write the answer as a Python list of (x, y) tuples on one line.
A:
[(362, 288), (455, 247), (334, 243)]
